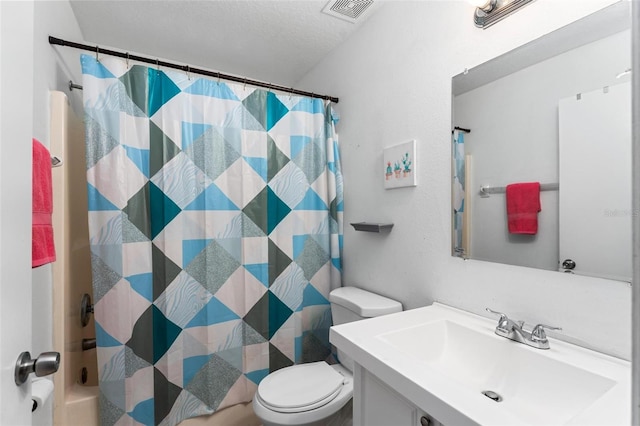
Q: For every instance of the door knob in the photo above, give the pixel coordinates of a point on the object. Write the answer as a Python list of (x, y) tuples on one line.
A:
[(568, 264), (45, 364)]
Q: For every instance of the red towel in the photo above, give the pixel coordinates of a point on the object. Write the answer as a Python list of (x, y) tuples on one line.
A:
[(523, 205), (42, 248)]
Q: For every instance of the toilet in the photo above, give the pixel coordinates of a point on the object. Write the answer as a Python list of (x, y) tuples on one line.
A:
[(317, 393)]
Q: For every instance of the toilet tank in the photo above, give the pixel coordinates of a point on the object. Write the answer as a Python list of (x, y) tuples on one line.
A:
[(352, 304)]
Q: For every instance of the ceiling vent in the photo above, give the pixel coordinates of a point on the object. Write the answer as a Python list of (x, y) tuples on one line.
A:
[(349, 10)]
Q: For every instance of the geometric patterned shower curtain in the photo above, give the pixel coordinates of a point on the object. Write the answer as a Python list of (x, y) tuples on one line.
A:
[(215, 216), (458, 196)]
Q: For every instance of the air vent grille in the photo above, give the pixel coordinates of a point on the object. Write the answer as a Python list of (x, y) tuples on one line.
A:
[(348, 10)]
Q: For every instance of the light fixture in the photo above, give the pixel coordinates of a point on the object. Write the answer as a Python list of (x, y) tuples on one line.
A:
[(488, 12)]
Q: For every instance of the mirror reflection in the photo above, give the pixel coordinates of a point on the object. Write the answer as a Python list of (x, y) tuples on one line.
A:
[(542, 152)]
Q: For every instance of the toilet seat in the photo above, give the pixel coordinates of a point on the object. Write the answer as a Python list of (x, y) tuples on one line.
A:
[(300, 387)]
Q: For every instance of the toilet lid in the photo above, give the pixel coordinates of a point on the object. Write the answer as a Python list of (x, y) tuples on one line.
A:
[(300, 387)]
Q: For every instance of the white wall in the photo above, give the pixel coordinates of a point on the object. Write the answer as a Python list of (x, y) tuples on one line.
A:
[(53, 68), (514, 138), (393, 78)]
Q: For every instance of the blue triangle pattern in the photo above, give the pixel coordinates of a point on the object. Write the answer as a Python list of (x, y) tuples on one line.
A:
[(104, 339), (192, 248), (310, 105), (212, 89), (257, 375), (259, 165), (191, 132), (336, 263), (260, 271), (139, 157), (297, 144), (311, 201), (213, 312), (95, 68), (298, 244), (311, 297), (212, 198), (340, 206), (97, 201), (142, 284), (143, 412), (191, 366)]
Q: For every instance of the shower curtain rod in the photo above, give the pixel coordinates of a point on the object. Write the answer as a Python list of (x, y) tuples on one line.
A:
[(187, 69)]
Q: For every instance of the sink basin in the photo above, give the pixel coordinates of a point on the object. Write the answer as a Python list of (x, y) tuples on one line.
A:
[(443, 360), (532, 386)]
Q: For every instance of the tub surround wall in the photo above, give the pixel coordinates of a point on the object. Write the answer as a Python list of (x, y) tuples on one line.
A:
[(393, 78)]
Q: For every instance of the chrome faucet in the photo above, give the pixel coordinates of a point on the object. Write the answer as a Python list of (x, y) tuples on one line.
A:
[(513, 330)]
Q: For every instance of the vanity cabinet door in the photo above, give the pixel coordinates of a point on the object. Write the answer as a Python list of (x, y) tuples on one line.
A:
[(377, 404)]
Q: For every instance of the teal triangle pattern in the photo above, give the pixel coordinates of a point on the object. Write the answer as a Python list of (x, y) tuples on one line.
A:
[(275, 110), (213, 261), (143, 412), (161, 90), (163, 209)]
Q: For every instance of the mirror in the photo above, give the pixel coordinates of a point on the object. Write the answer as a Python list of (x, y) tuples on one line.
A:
[(555, 111)]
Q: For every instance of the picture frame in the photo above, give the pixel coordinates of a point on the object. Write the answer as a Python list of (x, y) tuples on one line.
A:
[(399, 165)]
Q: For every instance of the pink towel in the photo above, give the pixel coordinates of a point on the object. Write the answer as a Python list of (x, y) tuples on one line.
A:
[(42, 248), (523, 205)]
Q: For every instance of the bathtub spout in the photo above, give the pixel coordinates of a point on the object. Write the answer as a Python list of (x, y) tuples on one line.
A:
[(88, 344)]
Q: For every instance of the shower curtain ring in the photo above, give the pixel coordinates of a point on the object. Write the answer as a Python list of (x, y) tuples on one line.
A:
[(244, 86), (127, 60), (97, 53), (290, 93), (188, 73), (157, 65), (218, 77)]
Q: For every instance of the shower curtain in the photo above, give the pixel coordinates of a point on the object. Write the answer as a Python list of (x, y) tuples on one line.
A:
[(215, 217), (458, 191)]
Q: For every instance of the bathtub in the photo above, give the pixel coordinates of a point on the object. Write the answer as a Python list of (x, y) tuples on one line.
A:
[(76, 391)]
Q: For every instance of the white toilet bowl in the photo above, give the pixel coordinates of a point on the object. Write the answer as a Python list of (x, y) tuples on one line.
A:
[(305, 394), (317, 393)]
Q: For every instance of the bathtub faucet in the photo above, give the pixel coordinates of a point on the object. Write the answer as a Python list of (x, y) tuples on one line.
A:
[(88, 344)]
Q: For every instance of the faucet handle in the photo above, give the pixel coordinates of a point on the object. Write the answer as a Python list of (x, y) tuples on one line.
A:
[(503, 322), (538, 334), (503, 317)]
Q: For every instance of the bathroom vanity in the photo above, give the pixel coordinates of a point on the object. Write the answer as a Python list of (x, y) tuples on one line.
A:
[(438, 364)]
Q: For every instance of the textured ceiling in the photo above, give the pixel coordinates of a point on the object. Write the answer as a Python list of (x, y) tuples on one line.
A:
[(270, 40)]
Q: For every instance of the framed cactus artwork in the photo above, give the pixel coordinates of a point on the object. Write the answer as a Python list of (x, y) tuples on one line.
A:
[(399, 168)]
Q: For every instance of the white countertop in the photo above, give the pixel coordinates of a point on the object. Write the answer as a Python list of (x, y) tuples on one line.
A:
[(452, 395)]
